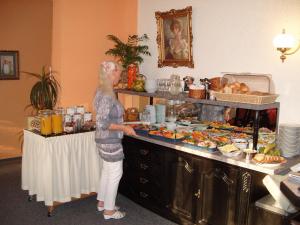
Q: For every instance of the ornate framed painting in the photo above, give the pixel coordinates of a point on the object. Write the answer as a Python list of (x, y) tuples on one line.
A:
[(174, 38), (9, 65)]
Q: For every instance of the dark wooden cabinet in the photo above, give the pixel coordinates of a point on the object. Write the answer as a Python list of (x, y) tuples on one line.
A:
[(188, 189), (142, 176)]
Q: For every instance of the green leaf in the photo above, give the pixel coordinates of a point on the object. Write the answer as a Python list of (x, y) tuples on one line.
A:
[(130, 52), (44, 93)]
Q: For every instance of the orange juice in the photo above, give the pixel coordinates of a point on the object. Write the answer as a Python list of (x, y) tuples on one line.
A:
[(57, 123), (45, 121), (45, 125)]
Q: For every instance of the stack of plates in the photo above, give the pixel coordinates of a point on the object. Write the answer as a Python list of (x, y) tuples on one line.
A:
[(289, 139)]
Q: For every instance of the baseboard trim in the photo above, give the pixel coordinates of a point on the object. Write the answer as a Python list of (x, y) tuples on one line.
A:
[(11, 159)]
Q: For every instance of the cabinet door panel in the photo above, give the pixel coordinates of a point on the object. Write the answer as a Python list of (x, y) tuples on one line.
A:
[(181, 183), (218, 194)]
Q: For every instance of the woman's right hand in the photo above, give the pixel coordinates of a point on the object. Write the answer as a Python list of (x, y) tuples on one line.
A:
[(129, 130)]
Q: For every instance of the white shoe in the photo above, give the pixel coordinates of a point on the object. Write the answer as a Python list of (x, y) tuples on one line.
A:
[(117, 215), (101, 208)]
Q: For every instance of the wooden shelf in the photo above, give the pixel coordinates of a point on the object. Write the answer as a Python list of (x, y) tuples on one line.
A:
[(184, 97)]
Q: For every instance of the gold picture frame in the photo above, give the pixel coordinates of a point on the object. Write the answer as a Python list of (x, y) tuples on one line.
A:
[(174, 38)]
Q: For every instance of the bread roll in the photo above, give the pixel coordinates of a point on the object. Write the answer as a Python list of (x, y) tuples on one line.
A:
[(237, 84), (227, 90), (244, 88), (259, 157), (235, 90), (232, 86)]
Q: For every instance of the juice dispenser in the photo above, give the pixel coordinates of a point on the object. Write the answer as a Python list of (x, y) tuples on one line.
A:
[(45, 118), (57, 121)]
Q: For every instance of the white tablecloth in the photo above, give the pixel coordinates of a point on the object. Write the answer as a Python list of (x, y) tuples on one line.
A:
[(58, 168)]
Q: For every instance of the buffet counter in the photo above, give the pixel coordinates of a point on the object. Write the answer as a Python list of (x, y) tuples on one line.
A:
[(239, 161), (59, 168)]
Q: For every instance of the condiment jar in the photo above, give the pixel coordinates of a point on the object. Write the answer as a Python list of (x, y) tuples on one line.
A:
[(68, 124), (77, 121), (80, 109), (71, 110), (87, 117), (45, 121), (57, 121)]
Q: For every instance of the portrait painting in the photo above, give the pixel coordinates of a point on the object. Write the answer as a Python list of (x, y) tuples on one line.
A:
[(9, 65), (174, 38)]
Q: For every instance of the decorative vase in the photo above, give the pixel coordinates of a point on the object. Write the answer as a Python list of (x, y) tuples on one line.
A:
[(131, 75)]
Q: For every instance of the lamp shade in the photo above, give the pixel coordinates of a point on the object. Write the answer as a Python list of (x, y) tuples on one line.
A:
[(284, 41)]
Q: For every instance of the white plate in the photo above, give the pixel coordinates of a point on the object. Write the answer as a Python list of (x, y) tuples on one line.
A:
[(268, 165), (231, 154)]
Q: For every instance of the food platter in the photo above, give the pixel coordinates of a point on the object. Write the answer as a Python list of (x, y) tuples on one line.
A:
[(204, 145), (165, 135), (268, 160), (230, 150), (268, 165)]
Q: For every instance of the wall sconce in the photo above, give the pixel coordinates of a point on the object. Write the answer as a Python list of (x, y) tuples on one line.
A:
[(284, 43)]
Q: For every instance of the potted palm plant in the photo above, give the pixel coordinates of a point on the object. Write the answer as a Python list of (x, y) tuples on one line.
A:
[(129, 54), (44, 93)]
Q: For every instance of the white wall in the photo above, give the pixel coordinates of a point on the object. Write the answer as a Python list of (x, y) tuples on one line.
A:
[(235, 36)]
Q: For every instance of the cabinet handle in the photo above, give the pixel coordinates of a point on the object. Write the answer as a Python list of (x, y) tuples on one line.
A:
[(144, 151), (144, 166), (221, 174), (198, 193), (188, 167), (226, 179), (143, 180), (143, 194)]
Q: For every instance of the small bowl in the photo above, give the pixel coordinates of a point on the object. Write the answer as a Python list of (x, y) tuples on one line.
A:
[(241, 145), (249, 154), (231, 154), (171, 126)]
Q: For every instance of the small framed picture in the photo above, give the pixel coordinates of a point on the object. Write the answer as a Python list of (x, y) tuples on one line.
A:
[(174, 38), (9, 65)]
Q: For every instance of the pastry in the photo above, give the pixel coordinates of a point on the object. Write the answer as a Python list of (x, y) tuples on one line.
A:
[(262, 158)]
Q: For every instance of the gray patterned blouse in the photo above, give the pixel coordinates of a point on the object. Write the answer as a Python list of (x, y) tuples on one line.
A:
[(108, 110)]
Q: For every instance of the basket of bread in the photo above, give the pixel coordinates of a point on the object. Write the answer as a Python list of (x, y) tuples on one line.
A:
[(244, 88), (131, 114), (240, 92)]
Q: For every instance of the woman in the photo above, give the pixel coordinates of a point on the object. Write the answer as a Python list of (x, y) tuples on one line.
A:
[(178, 47), (108, 137)]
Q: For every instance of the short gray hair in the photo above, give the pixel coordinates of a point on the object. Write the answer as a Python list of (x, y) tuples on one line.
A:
[(106, 69)]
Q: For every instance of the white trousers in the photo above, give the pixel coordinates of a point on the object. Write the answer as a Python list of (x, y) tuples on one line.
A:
[(109, 182)]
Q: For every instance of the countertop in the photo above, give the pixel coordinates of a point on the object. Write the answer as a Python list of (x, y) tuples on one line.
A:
[(240, 161)]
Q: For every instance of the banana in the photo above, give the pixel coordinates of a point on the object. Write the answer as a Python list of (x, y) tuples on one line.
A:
[(269, 147)]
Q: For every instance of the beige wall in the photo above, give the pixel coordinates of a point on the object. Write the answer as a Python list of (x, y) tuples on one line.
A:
[(233, 36), (79, 42), (26, 27)]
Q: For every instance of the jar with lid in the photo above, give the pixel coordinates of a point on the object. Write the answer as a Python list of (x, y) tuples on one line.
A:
[(57, 121), (77, 122), (68, 123), (45, 121), (171, 114), (175, 85)]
